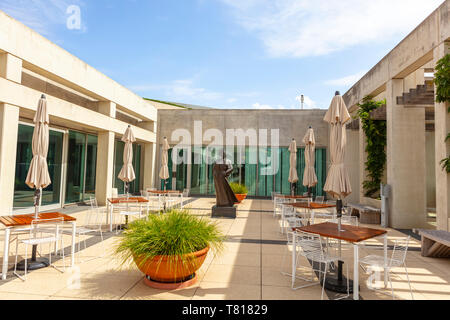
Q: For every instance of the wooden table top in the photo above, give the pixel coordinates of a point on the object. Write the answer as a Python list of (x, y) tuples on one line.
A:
[(350, 234), (26, 219), (311, 205), (163, 191), (130, 199), (292, 197)]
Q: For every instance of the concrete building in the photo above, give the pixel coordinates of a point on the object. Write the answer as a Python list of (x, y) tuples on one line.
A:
[(88, 115), (416, 126), (89, 112), (254, 140)]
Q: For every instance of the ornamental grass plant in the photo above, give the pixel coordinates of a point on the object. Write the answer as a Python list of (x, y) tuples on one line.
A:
[(238, 188), (173, 235)]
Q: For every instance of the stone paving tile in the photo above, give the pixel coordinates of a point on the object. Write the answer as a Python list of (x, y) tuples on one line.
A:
[(249, 267)]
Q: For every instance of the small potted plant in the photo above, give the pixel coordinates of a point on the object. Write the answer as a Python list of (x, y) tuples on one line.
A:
[(169, 248), (239, 190)]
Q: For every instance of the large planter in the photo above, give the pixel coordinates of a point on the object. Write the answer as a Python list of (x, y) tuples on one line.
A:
[(166, 270), (240, 197)]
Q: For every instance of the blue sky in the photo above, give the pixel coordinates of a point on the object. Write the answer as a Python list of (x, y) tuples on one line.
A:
[(229, 53)]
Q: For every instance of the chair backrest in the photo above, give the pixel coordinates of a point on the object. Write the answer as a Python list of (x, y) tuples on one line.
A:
[(274, 194), (319, 199), (186, 193), (115, 193), (41, 226), (288, 210), (400, 251), (311, 244)]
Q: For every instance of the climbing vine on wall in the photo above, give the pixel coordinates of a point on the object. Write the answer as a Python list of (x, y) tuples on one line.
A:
[(375, 131), (442, 81)]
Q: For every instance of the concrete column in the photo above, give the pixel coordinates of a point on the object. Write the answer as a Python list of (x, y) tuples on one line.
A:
[(149, 165), (108, 108), (442, 151), (149, 156), (9, 126), (10, 67), (105, 167), (406, 168), (362, 162)]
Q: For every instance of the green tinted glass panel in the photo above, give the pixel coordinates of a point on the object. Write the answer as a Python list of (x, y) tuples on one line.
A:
[(91, 165), (75, 167), (250, 172), (52, 194), (198, 174)]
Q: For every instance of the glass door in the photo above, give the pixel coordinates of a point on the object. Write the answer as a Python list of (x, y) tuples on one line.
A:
[(81, 167), (23, 195)]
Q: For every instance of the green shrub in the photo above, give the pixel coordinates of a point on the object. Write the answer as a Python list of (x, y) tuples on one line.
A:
[(238, 188), (175, 233)]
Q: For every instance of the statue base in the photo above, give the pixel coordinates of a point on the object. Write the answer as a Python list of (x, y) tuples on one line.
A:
[(224, 212)]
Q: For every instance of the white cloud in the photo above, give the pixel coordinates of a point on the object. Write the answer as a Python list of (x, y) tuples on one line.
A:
[(41, 15), (178, 90), (259, 106), (346, 81), (300, 28)]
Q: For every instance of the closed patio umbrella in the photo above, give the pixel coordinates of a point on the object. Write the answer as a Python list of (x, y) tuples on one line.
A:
[(127, 174), (293, 177), (38, 177), (164, 171), (338, 182), (309, 175)]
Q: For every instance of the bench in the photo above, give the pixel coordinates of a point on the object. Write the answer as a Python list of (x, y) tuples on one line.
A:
[(435, 243), (366, 214)]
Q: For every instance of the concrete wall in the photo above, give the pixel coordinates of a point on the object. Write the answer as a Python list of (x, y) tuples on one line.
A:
[(411, 157), (290, 123), (78, 98)]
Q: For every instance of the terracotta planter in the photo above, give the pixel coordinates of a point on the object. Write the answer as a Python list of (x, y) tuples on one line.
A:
[(240, 197), (165, 269)]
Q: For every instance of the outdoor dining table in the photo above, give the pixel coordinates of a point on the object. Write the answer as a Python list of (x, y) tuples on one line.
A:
[(21, 221), (311, 207), (115, 201), (353, 235), (292, 197)]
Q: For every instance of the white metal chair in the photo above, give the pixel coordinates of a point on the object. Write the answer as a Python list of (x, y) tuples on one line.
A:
[(319, 199), (277, 204), (129, 208), (312, 248), (114, 193), (42, 231), (92, 224), (287, 212), (397, 260)]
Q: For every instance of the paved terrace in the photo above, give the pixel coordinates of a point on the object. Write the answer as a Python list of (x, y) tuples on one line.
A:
[(248, 268)]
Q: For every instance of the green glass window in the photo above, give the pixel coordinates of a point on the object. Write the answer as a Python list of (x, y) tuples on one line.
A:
[(23, 195), (181, 176), (81, 167), (250, 171), (119, 147), (198, 171)]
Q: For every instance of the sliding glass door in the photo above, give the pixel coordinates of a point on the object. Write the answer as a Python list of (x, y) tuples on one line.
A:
[(23, 195), (81, 167)]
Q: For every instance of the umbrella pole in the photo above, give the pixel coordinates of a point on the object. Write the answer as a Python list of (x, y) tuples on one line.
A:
[(35, 263)]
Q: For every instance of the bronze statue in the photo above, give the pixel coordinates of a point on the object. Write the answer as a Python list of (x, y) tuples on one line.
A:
[(224, 195)]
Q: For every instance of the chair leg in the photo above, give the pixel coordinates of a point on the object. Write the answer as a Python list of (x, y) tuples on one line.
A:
[(390, 282), (324, 279), (409, 282)]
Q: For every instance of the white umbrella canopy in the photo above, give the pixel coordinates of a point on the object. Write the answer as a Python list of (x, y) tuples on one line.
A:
[(127, 174), (38, 176), (293, 177), (164, 171), (309, 175), (338, 182)]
